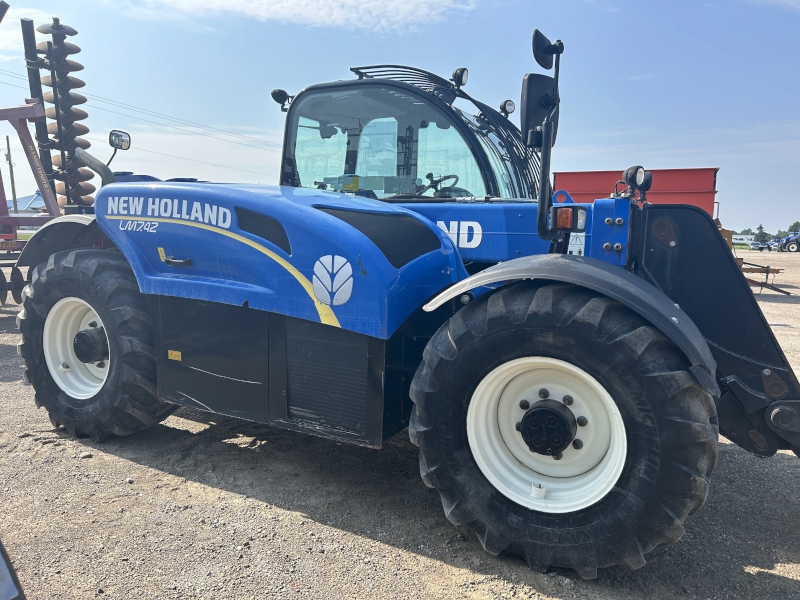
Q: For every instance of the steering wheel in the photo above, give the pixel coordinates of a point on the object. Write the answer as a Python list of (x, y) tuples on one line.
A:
[(435, 183)]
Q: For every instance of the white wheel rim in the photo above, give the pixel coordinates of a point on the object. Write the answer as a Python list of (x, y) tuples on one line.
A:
[(582, 477), (67, 317)]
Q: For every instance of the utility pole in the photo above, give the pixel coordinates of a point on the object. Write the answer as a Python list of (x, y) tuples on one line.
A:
[(11, 172)]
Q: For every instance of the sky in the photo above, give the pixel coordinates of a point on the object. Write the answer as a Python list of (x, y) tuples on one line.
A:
[(676, 84)]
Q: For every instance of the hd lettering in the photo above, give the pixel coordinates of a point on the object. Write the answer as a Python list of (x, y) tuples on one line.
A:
[(170, 208)]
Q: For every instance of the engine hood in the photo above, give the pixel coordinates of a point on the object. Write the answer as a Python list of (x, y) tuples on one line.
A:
[(349, 262)]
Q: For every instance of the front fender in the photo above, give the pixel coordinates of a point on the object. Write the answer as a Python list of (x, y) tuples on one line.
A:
[(611, 281), (62, 233)]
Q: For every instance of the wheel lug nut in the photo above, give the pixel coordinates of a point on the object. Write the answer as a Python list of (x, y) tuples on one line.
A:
[(583, 421), (544, 393), (524, 404), (577, 444), (518, 426), (568, 400), (558, 456)]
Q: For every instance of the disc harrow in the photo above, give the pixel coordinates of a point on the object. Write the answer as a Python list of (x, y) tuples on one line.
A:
[(64, 130)]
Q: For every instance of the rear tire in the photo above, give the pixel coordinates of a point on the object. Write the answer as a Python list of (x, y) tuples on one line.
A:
[(793, 246), (669, 429), (113, 397)]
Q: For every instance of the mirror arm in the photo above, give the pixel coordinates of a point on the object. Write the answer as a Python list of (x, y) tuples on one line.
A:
[(546, 230), (108, 164)]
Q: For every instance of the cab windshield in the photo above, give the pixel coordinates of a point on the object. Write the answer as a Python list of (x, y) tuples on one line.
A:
[(385, 143)]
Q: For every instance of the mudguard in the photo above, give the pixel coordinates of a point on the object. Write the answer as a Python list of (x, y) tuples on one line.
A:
[(62, 233), (614, 282), (348, 262)]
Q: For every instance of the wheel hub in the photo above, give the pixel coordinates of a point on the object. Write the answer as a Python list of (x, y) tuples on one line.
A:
[(91, 344), (548, 427)]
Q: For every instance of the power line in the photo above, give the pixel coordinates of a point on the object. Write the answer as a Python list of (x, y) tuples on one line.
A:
[(275, 146), (181, 129), (162, 153), (185, 122), (189, 159)]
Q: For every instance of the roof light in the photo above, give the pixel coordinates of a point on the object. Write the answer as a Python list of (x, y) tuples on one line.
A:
[(460, 76), (507, 107), (634, 176)]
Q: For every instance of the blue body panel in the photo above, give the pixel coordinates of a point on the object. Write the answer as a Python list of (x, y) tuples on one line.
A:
[(487, 232), (151, 222), (499, 231)]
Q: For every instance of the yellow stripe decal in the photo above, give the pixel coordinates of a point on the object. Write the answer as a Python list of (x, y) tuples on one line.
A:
[(325, 313)]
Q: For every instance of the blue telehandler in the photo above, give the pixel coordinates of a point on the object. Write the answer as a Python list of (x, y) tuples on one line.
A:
[(564, 368)]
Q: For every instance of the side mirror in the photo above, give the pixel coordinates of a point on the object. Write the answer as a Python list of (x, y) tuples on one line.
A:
[(281, 97), (541, 47), (544, 50), (538, 99), (119, 140), (9, 584)]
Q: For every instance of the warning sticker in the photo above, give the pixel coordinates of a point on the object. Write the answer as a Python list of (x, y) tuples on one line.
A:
[(576, 243), (174, 354)]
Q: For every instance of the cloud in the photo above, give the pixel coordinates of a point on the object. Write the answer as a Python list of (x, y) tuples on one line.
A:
[(11, 34), (373, 15)]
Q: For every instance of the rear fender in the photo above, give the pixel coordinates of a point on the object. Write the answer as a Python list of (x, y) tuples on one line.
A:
[(611, 281), (63, 233)]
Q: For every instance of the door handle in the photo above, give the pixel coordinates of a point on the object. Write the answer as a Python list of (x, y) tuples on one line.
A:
[(178, 262)]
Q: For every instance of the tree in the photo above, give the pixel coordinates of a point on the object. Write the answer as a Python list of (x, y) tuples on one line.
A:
[(795, 226), (747, 231), (762, 236), (780, 235)]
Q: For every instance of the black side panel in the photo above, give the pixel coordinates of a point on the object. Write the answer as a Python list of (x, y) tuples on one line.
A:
[(269, 368), (264, 227), (401, 238), (214, 357), (683, 254)]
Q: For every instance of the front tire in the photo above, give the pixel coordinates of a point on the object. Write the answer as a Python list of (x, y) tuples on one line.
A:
[(650, 470), (90, 290)]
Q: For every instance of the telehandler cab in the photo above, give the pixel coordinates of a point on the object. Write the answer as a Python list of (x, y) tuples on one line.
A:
[(564, 368)]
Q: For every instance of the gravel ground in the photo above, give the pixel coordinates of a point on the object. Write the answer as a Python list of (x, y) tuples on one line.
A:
[(209, 507)]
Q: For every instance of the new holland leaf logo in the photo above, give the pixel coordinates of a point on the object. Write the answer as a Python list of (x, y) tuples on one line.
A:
[(333, 280)]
